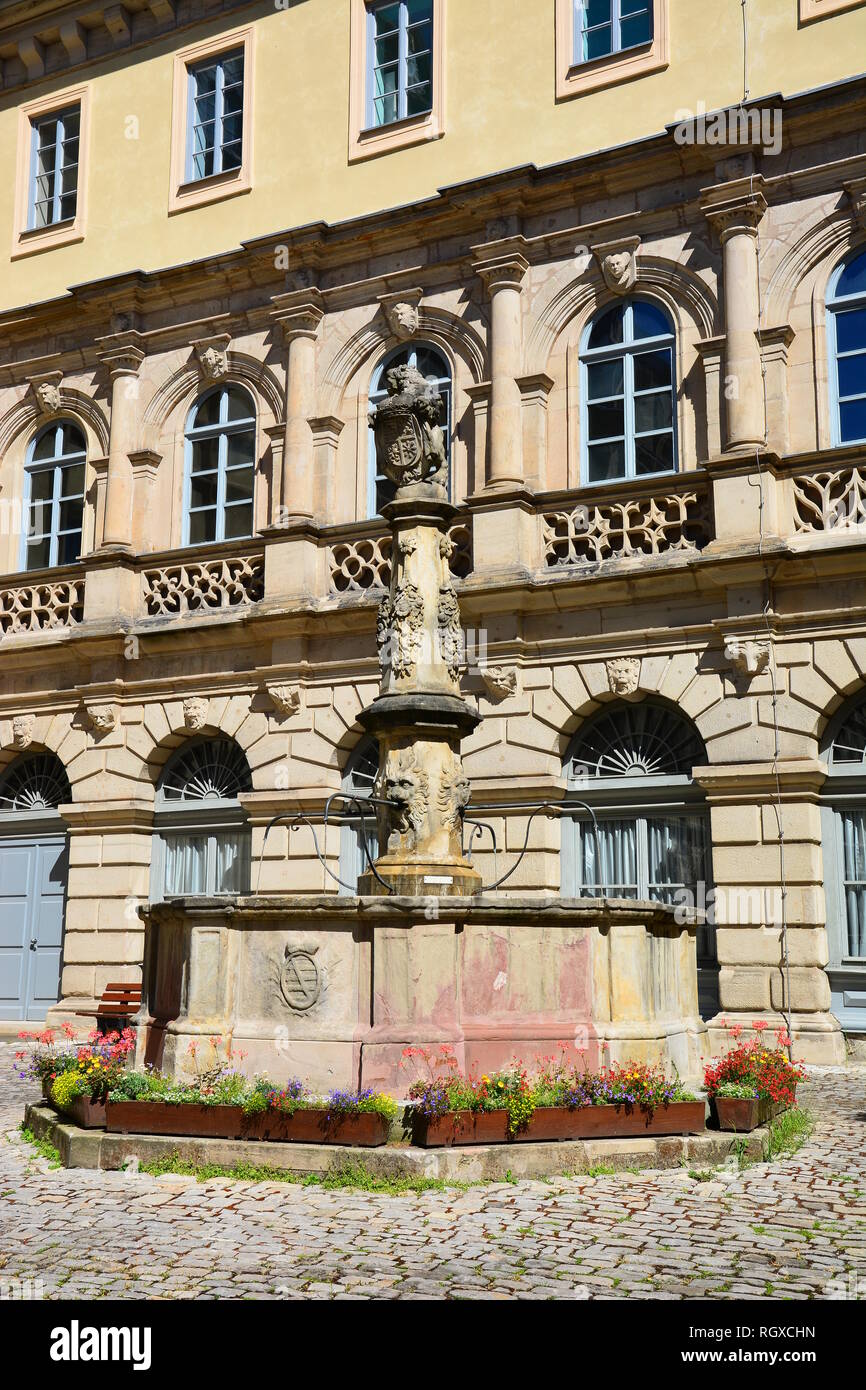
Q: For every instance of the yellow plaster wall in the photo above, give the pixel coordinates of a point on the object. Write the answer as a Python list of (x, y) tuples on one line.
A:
[(500, 112)]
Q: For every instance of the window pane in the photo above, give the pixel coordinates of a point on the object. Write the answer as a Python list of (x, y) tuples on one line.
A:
[(419, 10), (607, 329), (652, 369), (232, 128), (419, 69), (238, 405), (610, 865), (852, 375), (205, 80), (420, 38), (418, 99), (38, 554), (677, 852), (852, 420), (606, 421), (185, 864), (648, 321), (70, 516), (202, 527), (232, 155), (71, 124), (387, 17), (239, 485), (604, 379), (208, 412), (42, 485), (67, 207), (203, 490), (69, 548), (606, 461), (652, 412), (851, 330), (231, 861), (233, 100), (636, 30), (39, 519), (233, 69), (205, 455), (205, 108), (597, 43), (239, 521), (654, 454), (387, 49), (853, 277), (854, 845)]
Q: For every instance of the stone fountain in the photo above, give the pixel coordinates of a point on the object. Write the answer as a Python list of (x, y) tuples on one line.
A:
[(333, 988)]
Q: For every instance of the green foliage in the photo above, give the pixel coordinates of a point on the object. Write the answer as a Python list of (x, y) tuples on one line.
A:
[(736, 1090), (67, 1087), (787, 1133), (42, 1146)]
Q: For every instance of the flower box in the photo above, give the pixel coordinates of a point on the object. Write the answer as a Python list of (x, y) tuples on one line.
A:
[(83, 1111), (306, 1126), (744, 1115), (557, 1122)]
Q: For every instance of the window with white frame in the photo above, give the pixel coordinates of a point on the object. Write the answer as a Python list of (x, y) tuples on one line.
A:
[(215, 116), (358, 780), (846, 304), (54, 497), (202, 844), (843, 815), (432, 365), (605, 27), (632, 764), (628, 399), (399, 60), (54, 161), (220, 467)]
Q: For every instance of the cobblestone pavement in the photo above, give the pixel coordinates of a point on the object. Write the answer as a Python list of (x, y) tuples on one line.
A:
[(794, 1229)]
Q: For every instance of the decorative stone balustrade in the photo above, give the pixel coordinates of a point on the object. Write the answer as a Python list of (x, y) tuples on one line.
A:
[(363, 564), (592, 532), (40, 607), (196, 586), (833, 500)]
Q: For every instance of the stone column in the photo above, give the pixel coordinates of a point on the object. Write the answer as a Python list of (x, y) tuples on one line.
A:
[(502, 267), (299, 315), (734, 211), (122, 356)]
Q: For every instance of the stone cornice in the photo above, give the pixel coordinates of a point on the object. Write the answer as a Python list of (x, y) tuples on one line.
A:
[(47, 38)]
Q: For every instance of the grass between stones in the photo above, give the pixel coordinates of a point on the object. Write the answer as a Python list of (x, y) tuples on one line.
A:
[(787, 1133), (44, 1149), (354, 1175)]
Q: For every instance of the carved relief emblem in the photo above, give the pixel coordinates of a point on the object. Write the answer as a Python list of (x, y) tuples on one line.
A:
[(300, 978), (399, 630), (46, 389), (410, 443), (453, 798), (499, 681), (748, 658), (195, 712), (450, 630), (286, 698), (101, 718), (22, 730), (623, 674), (618, 262), (403, 319), (212, 354)]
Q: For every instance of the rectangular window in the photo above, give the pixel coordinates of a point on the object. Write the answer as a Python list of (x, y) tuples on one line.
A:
[(854, 882), (55, 509), (399, 61), (605, 27), (215, 116), (54, 161), (208, 864)]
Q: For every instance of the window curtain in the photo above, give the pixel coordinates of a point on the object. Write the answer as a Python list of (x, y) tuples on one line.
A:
[(854, 844), (185, 865), (677, 856), (229, 863), (616, 875)]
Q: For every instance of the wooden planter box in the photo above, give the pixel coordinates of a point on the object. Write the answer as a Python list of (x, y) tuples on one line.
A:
[(83, 1111), (229, 1122), (552, 1123), (744, 1115)]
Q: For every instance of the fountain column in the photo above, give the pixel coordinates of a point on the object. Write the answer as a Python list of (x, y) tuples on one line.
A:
[(419, 716)]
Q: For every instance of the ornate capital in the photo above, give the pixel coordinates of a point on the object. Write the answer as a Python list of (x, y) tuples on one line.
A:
[(122, 353), (501, 264), (618, 263), (213, 355), (735, 209), (46, 389), (299, 313), (403, 312)]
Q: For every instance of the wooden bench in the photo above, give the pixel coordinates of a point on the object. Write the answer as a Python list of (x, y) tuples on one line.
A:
[(119, 1003)]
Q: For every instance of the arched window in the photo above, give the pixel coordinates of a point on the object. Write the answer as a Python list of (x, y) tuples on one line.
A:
[(54, 496), (358, 779), (628, 424), (846, 303), (431, 364), (202, 842), (632, 764), (220, 467), (844, 836), (34, 782)]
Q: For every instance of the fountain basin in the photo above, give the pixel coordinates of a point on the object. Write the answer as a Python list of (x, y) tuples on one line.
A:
[(333, 989)]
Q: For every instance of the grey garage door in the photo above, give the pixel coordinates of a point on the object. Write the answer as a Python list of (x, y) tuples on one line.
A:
[(32, 900)]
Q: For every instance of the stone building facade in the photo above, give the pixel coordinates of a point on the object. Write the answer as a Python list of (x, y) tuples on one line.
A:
[(659, 548)]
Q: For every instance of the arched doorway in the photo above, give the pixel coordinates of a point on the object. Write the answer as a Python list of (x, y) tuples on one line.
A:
[(34, 867)]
